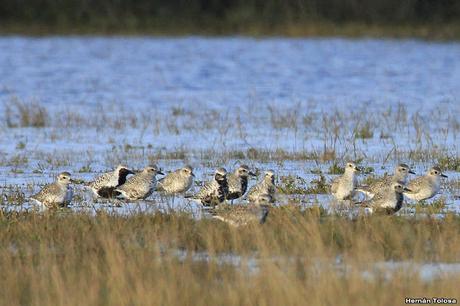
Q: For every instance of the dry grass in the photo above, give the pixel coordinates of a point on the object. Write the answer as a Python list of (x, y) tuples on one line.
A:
[(74, 259), (26, 114), (296, 258)]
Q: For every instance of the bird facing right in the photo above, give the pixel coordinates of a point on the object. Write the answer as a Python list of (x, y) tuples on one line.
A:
[(343, 187), (387, 200), (401, 174), (427, 186), (213, 192), (266, 188), (104, 185), (238, 182), (57, 194), (139, 186), (176, 182)]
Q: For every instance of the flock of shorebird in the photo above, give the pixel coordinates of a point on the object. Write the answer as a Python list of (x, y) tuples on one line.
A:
[(384, 195)]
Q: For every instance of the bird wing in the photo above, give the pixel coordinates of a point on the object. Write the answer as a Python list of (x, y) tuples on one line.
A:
[(133, 180), (205, 191), (46, 192), (415, 185), (234, 184), (335, 184), (101, 181), (255, 191), (167, 180)]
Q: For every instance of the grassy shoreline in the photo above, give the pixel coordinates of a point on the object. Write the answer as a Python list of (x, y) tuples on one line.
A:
[(296, 257), (428, 31)]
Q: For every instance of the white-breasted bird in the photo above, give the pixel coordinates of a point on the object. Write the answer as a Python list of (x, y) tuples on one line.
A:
[(105, 184), (388, 200), (140, 185), (176, 182), (238, 182), (343, 187), (266, 187), (57, 194), (427, 186), (401, 174), (214, 191)]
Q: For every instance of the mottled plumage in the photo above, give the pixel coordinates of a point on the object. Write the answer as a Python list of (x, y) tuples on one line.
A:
[(139, 186), (427, 186), (402, 171), (57, 194), (238, 182), (266, 187), (104, 185), (343, 187), (241, 215), (213, 192), (178, 181), (387, 200)]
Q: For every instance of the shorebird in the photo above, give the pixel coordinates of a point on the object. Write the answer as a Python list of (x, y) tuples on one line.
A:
[(343, 187), (401, 174), (139, 186), (241, 215), (57, 194), (238, 182), (388, 200), (266, 187), (104, 185), (213, 192), (427, 186), (178, 181)]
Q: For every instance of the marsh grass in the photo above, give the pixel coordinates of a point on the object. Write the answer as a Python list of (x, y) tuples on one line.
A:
[(432, 207), (449, 162), (300, 256), (296, 185), (337, 135), (75, 259), (26, 114)]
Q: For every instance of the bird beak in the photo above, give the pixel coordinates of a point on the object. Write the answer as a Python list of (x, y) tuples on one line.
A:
[(358, 169), (160, 173), (412, 172), (192, 174), (131, 172), (407, 189), (252, 174), (443, 175), (74, 181)]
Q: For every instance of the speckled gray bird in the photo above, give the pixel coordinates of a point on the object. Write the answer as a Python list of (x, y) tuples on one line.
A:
[(387, 200), (139, 186), (213, 192), (57, 194), (238, 182), (427, 186), (241, 215), (266, 187), (104, 185), (401, 174), (176, 182), (343, 187)]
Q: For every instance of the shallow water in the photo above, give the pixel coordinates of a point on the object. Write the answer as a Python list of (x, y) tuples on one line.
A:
[(233, 81), (226, 71)]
